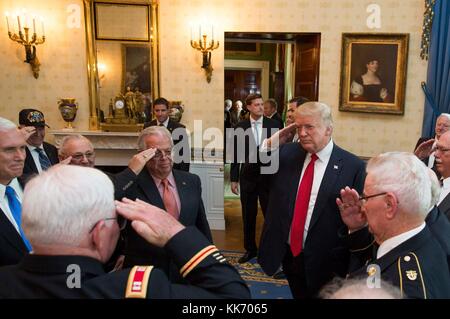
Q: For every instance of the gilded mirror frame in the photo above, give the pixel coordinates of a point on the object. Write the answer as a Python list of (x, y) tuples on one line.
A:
[(91, 54)]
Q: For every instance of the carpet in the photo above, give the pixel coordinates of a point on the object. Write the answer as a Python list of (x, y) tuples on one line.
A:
[(261, 286)]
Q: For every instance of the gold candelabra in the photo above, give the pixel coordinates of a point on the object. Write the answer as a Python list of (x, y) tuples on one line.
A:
[(29, 43), (205, 48)]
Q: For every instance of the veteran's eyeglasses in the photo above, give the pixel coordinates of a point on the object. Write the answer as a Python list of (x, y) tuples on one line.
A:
[(122, 222), (160, 153), (364, 198), (80, 156)]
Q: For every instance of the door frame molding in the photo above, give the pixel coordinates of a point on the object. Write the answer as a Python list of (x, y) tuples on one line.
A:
[(263, 66)]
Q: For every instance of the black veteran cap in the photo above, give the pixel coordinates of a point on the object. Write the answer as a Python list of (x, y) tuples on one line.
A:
[(31, 117)]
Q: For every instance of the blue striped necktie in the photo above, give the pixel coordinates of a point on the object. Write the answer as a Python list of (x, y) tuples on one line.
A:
[(16, 210), (43, 159)]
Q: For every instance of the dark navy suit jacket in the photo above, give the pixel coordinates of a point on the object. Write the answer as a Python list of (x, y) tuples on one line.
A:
[(137, 250), (30, 167), (12, 247), (344, 169)]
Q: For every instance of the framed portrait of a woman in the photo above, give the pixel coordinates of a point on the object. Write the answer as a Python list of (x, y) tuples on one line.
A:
[(373, 72)]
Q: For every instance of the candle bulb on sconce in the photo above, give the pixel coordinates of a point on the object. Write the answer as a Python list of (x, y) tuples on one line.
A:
[(23, 38), (205, 48)]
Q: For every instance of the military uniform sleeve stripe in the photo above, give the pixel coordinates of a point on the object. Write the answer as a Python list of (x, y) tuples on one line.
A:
[(198, 258), (138, 282)]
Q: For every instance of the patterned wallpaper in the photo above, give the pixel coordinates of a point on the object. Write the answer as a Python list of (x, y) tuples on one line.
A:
[(63, 65), (63, 71)]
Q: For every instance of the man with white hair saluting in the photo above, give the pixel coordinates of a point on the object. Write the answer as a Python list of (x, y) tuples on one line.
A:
[(75, 230), (390, 216)]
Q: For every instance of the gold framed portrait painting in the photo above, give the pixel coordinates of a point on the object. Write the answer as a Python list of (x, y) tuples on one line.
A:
[(373, 72), (136, 69)]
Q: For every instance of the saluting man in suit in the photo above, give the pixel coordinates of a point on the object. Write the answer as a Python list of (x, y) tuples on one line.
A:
[(40, 155), (178, 131), (13, 243), (178, 192), (302, 220)]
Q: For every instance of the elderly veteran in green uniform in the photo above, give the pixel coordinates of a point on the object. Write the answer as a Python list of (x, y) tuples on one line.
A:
[(75, 229), (387, 233)]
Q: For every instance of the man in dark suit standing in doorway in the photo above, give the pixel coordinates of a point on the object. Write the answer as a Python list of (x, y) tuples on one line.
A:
[(178, 131), (302, 219), (13, 243), (246, 171), (40, 155)]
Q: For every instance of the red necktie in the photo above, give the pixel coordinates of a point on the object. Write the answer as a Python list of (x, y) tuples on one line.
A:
[(169, 199), (301, 207)]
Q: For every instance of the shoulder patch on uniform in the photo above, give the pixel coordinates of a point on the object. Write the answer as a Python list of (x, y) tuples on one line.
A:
[(409, 271), (138, 282), (196, 259)]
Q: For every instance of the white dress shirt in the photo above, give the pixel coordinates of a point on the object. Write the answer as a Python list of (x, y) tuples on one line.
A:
[(35, 156), (165, 123), (257, 133), (319, 171), (395, 241), (4, 204), (444, 190)]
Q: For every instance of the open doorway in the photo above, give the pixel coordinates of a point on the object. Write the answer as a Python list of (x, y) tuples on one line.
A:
[(276, 65)]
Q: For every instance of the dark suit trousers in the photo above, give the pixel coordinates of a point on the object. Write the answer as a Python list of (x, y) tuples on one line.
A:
[(249, 204), (294, 269)]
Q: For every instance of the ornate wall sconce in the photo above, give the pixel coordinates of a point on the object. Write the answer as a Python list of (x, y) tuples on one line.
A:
[(205, 48), (24, 39)]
